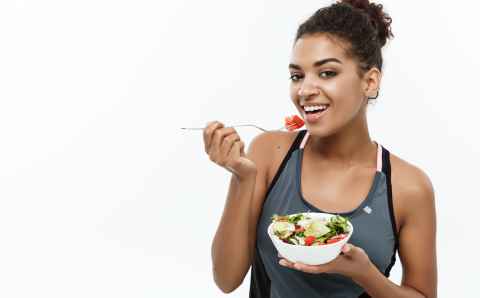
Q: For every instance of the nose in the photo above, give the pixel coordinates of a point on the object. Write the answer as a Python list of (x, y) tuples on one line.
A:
[(308, 88)]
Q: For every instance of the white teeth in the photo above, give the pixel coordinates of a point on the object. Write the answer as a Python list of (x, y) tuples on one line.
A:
[(315, 108)]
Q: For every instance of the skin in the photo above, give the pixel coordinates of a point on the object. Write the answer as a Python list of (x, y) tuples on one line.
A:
[(337, 170)]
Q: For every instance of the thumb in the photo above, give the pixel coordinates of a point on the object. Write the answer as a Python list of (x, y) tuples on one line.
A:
[(349, 250), (242, 149)]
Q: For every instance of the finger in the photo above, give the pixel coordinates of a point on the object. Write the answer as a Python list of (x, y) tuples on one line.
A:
[(208, 133), (242, 149), (223, 146), (228, 142), (351, 251), (235, 153), (311, 268), (286, 263), (217, 139), (212, 131), (347, 248)]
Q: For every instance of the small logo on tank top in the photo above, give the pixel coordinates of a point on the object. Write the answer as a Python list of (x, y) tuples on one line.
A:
[(367, 209)]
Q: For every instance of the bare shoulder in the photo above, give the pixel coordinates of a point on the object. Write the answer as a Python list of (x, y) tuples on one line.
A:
[(412, 189), (269, 149), (408, 177), (267, 143)]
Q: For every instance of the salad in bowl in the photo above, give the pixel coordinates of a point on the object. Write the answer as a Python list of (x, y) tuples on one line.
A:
[(310, 238)]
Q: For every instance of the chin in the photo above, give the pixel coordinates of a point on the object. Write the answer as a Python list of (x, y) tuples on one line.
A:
[(319, 130)]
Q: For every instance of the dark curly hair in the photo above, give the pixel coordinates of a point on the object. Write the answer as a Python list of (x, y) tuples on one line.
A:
[(364, 25)]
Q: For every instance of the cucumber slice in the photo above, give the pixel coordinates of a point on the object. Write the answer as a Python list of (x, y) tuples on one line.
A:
[(316, 228)]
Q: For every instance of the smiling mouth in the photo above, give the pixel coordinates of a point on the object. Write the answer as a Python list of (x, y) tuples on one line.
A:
[(312, 114), (315, 112), (315, 109)]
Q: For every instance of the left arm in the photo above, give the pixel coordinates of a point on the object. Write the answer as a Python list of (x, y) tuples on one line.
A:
[(417, 246)]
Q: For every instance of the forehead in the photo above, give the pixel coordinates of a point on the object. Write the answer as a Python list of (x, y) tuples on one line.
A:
[(311, 48)]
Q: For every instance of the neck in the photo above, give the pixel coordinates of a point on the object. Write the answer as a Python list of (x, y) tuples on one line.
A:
[(351, 145)]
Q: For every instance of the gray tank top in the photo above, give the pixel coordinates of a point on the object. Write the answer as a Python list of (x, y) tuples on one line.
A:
[(373, 219)]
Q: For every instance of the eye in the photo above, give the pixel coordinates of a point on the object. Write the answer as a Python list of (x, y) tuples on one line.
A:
[(295, 77), (327, 74)]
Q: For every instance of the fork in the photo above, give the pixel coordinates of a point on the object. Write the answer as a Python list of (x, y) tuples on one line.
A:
[(242, 125)]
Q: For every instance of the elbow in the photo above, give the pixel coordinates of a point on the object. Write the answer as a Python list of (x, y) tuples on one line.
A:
[(226, 290), (225, 283), (225, 286)]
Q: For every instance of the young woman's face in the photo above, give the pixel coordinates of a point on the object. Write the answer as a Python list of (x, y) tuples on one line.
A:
[(324, 77)]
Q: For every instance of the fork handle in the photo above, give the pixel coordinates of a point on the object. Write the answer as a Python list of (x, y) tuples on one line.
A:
[(201, 128), (239, 125)]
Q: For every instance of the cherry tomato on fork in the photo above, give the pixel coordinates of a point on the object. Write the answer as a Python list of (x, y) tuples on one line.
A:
[(293, 122)]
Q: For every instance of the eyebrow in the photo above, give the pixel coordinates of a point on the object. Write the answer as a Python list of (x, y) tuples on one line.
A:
[(317, 63)]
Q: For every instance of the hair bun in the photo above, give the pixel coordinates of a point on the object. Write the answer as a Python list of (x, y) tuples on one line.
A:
[(381, 21)]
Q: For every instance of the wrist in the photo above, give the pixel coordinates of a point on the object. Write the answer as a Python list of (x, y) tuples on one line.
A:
[(366, 275), (246, 179)]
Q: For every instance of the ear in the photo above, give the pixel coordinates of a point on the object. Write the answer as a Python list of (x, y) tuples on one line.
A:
[(371, 82)]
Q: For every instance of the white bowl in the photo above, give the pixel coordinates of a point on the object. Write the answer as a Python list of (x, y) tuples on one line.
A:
[(310, 255)]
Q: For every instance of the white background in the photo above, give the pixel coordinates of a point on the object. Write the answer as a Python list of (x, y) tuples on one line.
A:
[(101, 193)]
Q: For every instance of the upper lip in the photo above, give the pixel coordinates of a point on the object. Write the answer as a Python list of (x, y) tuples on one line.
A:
[(314, 104)]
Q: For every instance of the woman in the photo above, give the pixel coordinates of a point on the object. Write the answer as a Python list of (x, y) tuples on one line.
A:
[(333, 166)]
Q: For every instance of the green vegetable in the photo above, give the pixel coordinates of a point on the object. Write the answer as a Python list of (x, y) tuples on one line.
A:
[(339, 224), (295, 218)]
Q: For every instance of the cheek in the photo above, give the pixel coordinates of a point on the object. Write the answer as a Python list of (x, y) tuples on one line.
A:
[(294, 95), (345, 94), (293, 91)]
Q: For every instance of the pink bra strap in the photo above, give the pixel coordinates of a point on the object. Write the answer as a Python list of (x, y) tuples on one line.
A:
[(379, 157), (304, 141)]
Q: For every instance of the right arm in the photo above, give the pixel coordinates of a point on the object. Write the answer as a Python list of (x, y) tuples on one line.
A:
[(234, 241)]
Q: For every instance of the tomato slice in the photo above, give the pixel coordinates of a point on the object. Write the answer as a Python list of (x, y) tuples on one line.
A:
[(309, 240), (299, 229), (336, 238)]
